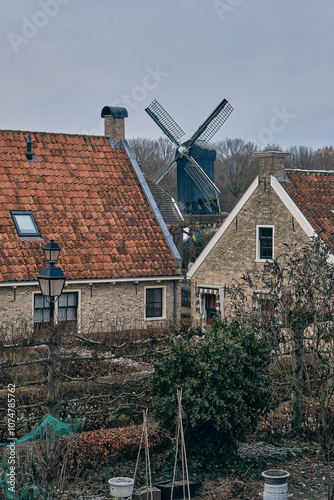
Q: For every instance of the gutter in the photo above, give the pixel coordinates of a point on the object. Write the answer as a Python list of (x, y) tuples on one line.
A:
[(87, 281), (151, 200)]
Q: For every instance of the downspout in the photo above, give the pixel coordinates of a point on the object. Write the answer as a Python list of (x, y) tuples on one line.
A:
[(175, 301)]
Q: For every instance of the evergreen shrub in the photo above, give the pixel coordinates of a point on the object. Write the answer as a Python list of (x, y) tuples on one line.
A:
[(226, 388)]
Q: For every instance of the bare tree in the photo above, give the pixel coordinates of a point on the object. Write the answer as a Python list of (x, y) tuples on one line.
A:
[(154, 156), (326, 157), (294, 310), (235, 169), (302, 157)]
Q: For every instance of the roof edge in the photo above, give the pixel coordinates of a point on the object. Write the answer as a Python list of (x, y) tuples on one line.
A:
[(292, 207), (92, 281), (243, 200), (151, 200)]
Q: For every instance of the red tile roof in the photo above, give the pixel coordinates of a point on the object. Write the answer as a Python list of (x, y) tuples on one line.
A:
[(84, 195), (313, 193)]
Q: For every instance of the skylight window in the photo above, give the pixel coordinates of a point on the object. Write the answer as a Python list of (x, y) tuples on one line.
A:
[(25, 224)]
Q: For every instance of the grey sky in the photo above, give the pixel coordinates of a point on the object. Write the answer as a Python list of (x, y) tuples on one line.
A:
[(63, 60)]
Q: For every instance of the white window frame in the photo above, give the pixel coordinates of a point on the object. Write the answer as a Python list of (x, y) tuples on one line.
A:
[(258, 226), (164, 303)]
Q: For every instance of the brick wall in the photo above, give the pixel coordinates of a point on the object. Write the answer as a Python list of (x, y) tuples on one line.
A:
[(235, 252), (101, 305), (114, 127)]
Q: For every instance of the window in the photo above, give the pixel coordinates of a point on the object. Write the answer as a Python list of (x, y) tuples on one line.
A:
[(68, 307), (210, 306), (265, 238), (210, 301), (41, 310), (155, 303), (25, 224)]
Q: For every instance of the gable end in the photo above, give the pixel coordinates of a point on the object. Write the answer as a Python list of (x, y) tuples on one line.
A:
[(214, 240)]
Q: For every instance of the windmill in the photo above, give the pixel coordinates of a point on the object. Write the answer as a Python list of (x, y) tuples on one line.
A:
[(195, 164)]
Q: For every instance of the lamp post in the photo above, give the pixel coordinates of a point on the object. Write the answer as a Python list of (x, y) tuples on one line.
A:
[(51, 282), (51, 279)]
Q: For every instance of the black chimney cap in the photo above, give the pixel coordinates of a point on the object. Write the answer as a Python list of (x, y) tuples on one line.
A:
[(114, 112)]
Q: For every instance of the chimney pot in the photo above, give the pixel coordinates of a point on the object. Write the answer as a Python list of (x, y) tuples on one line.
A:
[(114, 122)]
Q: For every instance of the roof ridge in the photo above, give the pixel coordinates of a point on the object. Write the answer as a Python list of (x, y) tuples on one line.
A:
[(309, 171), (51, 133)]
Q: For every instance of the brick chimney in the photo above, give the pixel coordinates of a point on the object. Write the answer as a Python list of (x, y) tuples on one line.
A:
[(271, 163), (114, 122)]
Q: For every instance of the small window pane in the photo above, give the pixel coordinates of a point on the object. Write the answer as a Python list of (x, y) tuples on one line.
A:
[(71, 299), (71, 315), (62, 314), (38, 300), (46, 315), (62, 301), (38, 316), (25, 223), (156, 311)]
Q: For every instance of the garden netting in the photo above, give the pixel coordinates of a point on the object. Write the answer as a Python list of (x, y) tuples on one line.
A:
[(38, 462)]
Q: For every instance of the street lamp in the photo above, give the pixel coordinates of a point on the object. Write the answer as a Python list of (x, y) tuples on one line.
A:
[(51, 251), (51, 279)]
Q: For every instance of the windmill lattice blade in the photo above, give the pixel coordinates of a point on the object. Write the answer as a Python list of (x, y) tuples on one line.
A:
[(202, 180), (165, 121), (162, 174), (212, 124)]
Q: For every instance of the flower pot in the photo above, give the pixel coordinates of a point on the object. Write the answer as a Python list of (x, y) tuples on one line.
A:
[(121, 487), (179, 487), (275, 484)]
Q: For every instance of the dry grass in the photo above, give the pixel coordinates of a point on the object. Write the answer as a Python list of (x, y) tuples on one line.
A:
[(229, 488)]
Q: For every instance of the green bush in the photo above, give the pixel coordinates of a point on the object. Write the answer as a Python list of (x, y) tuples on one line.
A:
[(226, 387)]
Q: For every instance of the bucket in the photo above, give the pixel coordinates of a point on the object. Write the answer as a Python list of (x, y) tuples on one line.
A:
[(275, 486), (121, 487)]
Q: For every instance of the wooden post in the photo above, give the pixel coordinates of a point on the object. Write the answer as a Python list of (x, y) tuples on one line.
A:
[(53, 366)]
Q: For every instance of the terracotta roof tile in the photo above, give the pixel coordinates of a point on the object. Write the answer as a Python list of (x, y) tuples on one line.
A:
[(313, 193), (85, 196)]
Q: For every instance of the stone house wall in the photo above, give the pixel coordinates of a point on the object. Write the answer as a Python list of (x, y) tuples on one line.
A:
[(100, 305), (235, 252)]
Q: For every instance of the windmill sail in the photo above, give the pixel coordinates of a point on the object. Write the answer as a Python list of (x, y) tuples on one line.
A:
[(165, 121), (201, 179), (212, 124)]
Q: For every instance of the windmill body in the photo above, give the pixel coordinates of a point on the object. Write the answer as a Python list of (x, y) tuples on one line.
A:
[(196, 188), (189, 195)]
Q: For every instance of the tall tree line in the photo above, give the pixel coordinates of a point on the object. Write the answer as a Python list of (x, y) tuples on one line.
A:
[(235, 168)]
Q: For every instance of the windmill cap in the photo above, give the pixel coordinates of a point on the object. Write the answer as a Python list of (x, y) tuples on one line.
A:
[(115, 112)]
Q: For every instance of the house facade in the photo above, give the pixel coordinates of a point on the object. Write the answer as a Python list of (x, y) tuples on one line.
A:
[(89, 195), (280, 208)]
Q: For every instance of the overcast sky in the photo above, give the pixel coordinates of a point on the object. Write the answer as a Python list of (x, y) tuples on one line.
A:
[(273, 60)]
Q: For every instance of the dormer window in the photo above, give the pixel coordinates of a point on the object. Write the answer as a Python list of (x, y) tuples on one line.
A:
[(25, 224)]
